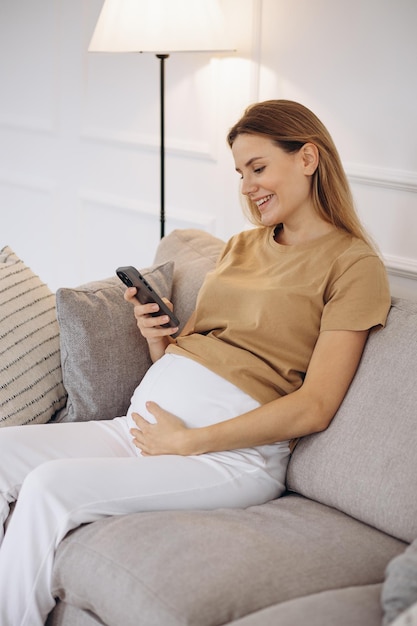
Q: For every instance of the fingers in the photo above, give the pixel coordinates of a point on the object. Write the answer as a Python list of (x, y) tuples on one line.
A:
[(130, 295), (139, 434), (143, 423), (149, 323), (139, 421)]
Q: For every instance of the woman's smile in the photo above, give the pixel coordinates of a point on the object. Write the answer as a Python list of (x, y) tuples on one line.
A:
[(263, 201)]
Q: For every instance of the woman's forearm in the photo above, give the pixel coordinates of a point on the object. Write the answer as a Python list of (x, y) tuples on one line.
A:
[(287, 418)]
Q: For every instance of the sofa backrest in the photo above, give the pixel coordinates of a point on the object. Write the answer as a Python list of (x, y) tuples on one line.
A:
[(365, 463), (194, 253)]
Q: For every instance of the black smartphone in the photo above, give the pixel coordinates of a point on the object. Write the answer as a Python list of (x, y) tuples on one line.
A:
[(145, 294)]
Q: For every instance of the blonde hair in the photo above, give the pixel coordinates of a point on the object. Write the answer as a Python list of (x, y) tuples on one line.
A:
[(291, 125)]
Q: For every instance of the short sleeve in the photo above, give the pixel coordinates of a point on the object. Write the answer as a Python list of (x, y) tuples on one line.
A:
[(359, 298)]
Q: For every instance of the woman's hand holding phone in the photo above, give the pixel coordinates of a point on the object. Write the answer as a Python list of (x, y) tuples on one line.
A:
[(151, 325), (154, 315)]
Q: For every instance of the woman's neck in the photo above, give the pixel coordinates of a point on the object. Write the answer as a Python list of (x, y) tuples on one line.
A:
[(287, 237)]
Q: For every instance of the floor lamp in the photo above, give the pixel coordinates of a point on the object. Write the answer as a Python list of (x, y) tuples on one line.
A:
[(161, 27)]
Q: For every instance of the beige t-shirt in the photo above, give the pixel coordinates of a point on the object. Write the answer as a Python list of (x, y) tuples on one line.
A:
[(260, 311)]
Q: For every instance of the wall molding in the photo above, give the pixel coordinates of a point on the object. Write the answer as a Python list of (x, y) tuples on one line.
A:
[(29, 183), (397, 180), (185, 149), (181, 218), (401, 266), (29, 124), (205, 149), (386, 178)]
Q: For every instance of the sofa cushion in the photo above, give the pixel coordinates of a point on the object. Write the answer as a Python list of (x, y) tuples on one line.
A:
[(195, 253), (359, 463), (209, 567), (104, 356), (354, 606), (31, 388)]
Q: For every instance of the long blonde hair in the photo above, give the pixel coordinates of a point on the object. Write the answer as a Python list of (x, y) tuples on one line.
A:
[(290, 125)]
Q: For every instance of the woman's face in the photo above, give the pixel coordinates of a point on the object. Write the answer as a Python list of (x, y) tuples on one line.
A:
[(279, 183)]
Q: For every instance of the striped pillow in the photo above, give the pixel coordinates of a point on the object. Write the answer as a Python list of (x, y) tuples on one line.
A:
[(31, 388)]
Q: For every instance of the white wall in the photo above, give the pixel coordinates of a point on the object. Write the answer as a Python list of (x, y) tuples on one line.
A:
[(79, 132)]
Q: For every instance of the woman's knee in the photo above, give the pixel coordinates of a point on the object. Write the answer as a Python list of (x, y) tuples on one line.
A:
[(46, 478)]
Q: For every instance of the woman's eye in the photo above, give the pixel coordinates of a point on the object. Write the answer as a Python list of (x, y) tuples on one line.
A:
[(259, 170)]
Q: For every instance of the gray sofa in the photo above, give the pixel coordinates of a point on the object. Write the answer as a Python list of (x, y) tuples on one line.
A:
[(316, 556)]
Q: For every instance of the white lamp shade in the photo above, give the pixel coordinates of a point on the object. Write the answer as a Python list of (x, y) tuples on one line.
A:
[(161, 26)]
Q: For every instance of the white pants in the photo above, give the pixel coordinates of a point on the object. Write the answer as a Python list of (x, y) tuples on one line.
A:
[(68, 474)]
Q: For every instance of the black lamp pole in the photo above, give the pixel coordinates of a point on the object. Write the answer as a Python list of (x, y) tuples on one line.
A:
[(162, 58)]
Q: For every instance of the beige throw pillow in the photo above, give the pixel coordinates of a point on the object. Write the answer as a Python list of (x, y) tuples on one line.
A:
[(31, 388)]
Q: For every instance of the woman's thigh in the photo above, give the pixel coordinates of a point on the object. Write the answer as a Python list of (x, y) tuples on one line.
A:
[(91, 488), (23, 448)]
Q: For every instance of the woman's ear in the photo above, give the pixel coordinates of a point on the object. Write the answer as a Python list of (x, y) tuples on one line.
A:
[(310, 157)]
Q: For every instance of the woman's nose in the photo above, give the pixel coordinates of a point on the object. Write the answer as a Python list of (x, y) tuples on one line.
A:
[(248, 186)]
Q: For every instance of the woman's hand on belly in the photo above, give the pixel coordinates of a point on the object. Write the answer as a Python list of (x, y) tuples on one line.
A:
[(168, 435)]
